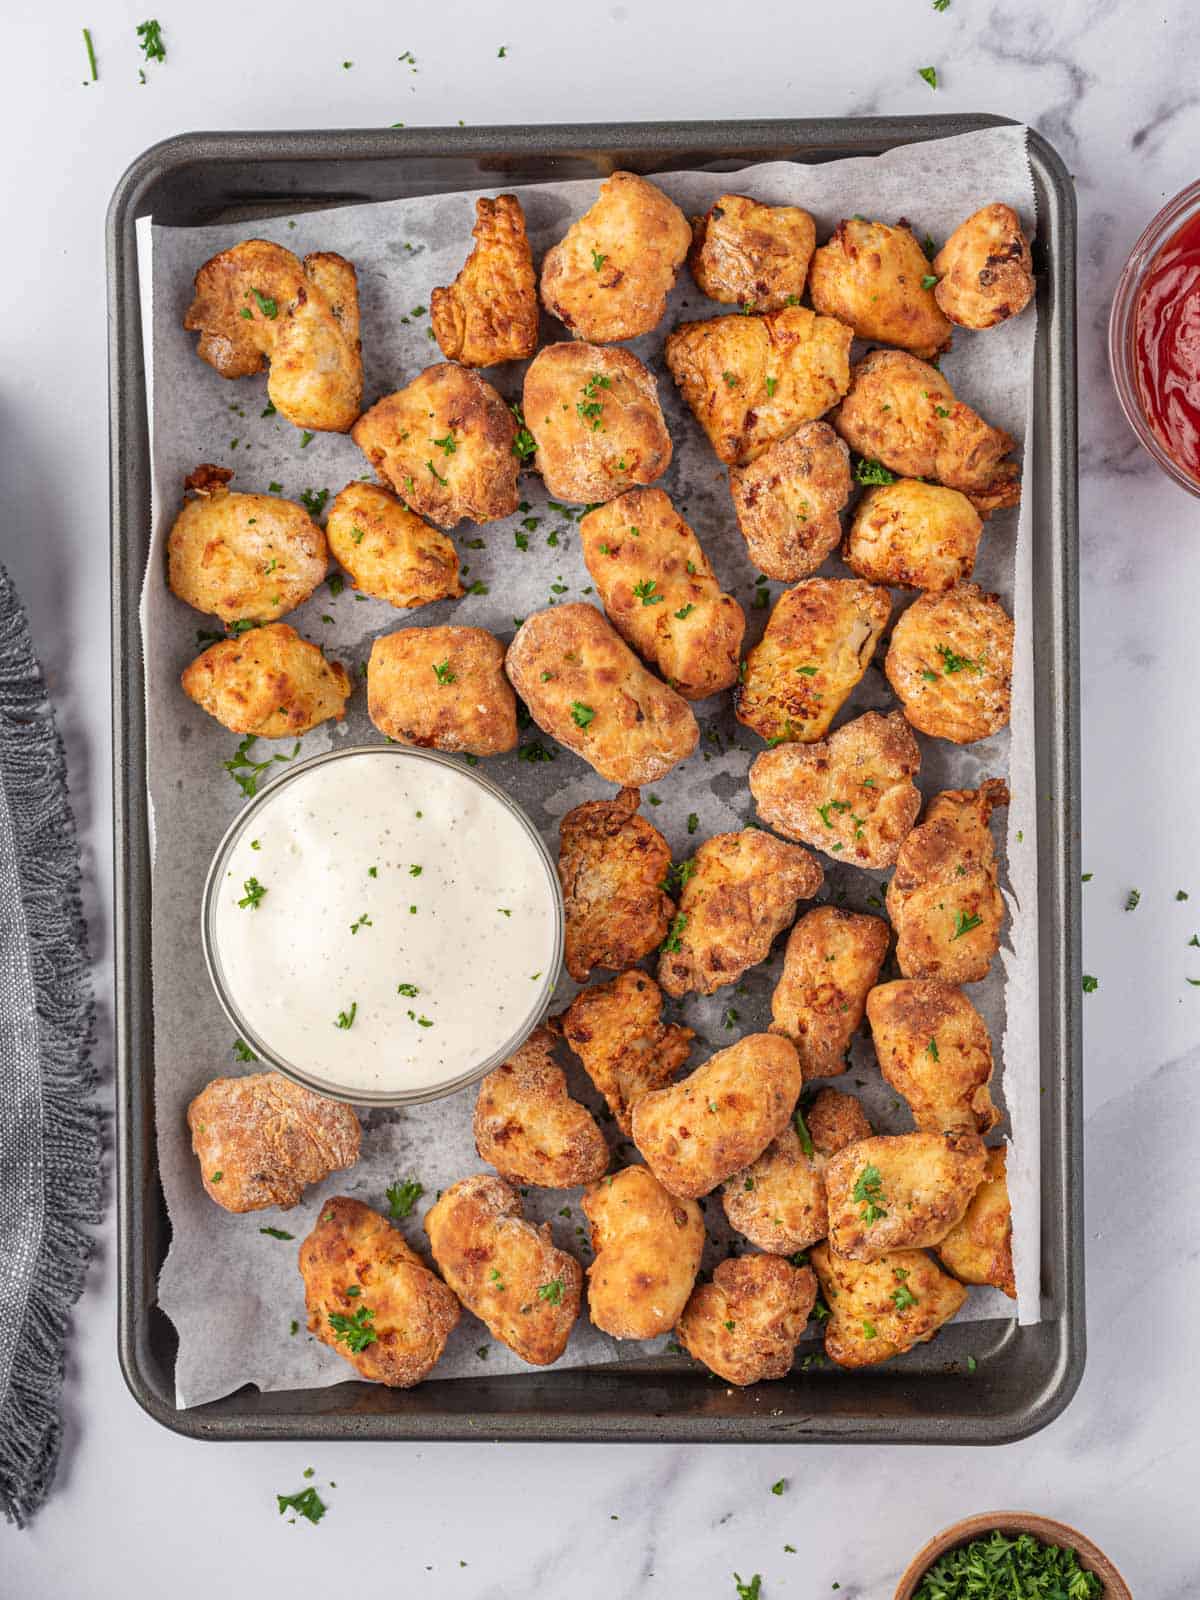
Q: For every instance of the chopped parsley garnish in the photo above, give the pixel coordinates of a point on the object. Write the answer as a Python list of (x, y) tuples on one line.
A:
[(730, 379), (930, 76), (151, 40), (684, 611), (447, 445), (931, 1050), (963, 924), (363, 922), (306, 438), (779, 1486), (277, 1233), (243, 1051), (831, 805), (902, 1296), (868, 1191), (354, 1332), (941, 5), (437, 474), (307, 1503), (1181, 894), (253, 895), (1090, 984), (581, 715), (524, 444), (551, 1292), (402, 1197), (268, 307), (336, 584), (598, 259), (753, 1589), (441, 671), (1001, 1568), (869, 472), (771, 382), (803, 1134), (408, 989), (729, 1017), (675, 933), (645, 592), (678, 875), (693, 822), (808, 672), (1132, 898), (870, 1331), (929, 281), (345, 1019), (478, 587), (929, 247), (535, 750), (246, 772)]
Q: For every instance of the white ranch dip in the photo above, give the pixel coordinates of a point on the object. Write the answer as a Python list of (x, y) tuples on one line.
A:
[(384, 924)]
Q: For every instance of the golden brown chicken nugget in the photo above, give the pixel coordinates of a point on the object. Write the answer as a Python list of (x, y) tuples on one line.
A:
[(388, 551), (877, 279), (616, 1030), (745, 1324), (852, 795), (262, 1138), (913, 535), (787, 502), (445, 444), (648, 1245), (750, 254), (933, 1048), (950, 663), (880, 1309), (528, 1127), (595, 418), (833, 1120), (819, 641), (442, 688), (944, 899), (585, 687), (979, 1249), (741, 893), (609, 276), (985, 268), (490, 312), (268, 682), (696, 1133), (611, 864), (832, 959), (371, 1298), (751, 381), (257, 302), (660, 593), (778, 1201), (901, 1191), (507, 1271)]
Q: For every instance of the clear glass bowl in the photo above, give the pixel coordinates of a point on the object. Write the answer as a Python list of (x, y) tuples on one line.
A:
[(1121, 352)]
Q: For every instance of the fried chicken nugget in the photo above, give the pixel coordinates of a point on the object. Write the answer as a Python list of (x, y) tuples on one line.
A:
[(444, 443), (442, 688), (985, 268), (742, 892), (787, 502), (268, 682), (979, 1249), (660, 593), (260, 1139), (616, 1030), (745, 1324), (950, 663), (371, 1298), (750, 254), (242, 557), (944, 899), (489, 313), (528, 1127), (834, 1120), (901, 1191), (585, 687), (648, 1245), (609, 276), (880, 1309), (913, 535), (696, 1133), (902, 412), (852, 795), (751, 381), (388, 551), (257, 302), (595, 418), (611, 864), (876, 279), (933, 1048), (832, 960), (507, 1271), (819, 641)]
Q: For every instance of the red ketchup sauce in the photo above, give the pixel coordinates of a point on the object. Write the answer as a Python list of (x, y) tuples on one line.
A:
[(1166, 333)]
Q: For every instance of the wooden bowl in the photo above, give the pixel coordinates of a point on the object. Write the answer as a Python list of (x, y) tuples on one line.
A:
[(1010, 1523)]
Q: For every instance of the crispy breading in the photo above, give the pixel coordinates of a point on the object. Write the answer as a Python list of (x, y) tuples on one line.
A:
[(528, 1127), (950, 663), (509, 1272), (876, 279), (268, 682), (943, 899), (371, 1298), (585, 687), (242, 557), (750, 254), (880, 1309), (745, 1324), (901, 1191), (660, 593), (260, 1139), (979, 1248), (913, 535), (257, 302), (388, 551), (609, 276), (696, 1133), (832, 959), (853, 795), (985, 268), (751, 380), (819, 641), (787, 502), (490, 312), (442, 687), (648, 1245), (444, 443), (616, 1030), (611, 864), (778, 1201), (933, 1048), (834, 1120), (595, 418)]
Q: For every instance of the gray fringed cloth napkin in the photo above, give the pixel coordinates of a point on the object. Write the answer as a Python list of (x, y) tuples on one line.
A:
[(50, 1133)]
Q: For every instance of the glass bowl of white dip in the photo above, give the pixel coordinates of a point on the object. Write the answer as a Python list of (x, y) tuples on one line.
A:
[(383, 925)]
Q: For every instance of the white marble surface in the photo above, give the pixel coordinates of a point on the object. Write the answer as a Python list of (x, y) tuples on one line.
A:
[(1113, 85)]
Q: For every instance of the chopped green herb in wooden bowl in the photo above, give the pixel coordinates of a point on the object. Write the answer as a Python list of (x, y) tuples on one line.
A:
[(1011, 1555)]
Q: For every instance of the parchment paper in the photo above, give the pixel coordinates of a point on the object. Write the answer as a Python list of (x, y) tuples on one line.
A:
[(232, 1292)]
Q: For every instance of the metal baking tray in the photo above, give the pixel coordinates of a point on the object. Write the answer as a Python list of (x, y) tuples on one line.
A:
[(1024, 1376)]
